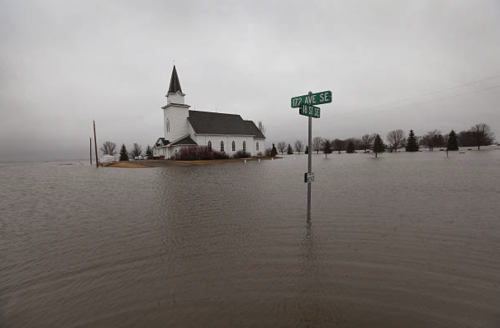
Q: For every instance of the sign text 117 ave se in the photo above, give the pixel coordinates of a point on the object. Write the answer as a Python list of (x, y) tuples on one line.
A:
[(324, 97)]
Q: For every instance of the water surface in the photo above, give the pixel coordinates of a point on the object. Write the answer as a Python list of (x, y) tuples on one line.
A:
[(405, 240)]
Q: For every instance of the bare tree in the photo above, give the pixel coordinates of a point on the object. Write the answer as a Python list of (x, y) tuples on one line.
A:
[(396, 139), (432, 139), (338, 145), (316, 144), (281, 147), (136, 150), (109, 148), (262, 127), (366, 141), (299, 146), (482, 135)]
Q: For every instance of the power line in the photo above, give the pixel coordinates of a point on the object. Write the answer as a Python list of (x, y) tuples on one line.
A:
[(436, 99), (456, 95), (392, 103)]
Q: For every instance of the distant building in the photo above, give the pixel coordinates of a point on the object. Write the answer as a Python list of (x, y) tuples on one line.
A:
[(186, 128)]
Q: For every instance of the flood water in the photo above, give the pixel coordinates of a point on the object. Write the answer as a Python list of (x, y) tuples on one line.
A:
[(405, 240)]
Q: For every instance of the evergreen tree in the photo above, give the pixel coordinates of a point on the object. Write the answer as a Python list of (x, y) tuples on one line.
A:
[(327, 147), (378, 145), (452, 143), (307, 150), (411, 144), (149, 151), (289, 150), (123, 153), (350, 148), (274, 152)]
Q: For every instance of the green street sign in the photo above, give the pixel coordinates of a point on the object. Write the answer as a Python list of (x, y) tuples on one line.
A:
[(319, 98), (311, 111)]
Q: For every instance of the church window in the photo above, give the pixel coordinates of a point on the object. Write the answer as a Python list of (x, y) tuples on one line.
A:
[(234, 145), (257, 146), (168, 125), (244, 146), (209, 145), (222, 146)]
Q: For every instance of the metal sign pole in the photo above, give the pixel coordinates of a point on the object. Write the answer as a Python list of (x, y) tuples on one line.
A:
[(309, 169), (305, 104)]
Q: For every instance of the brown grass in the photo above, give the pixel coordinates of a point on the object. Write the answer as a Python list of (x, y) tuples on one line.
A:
[(224, 161), (128, 165), (166, 163)]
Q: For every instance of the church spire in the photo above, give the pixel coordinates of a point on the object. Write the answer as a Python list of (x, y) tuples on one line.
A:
[(175, 85)]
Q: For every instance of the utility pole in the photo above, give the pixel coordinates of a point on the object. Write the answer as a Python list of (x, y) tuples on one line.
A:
[(90, 151), (96, 154)]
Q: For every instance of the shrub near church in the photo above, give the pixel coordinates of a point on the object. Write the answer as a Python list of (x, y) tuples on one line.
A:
[(199, 153)]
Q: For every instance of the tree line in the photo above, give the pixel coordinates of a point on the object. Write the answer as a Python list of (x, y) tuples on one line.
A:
[(478, 135), (109, 148)]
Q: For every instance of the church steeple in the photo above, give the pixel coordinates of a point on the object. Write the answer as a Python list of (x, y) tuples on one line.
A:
[(175, 112), (175, 85)]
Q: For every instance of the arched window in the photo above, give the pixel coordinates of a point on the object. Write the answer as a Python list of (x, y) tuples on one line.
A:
[(222, 146), (257, 146), (244, 146), (209, 145), (168, 125), (234, 145)]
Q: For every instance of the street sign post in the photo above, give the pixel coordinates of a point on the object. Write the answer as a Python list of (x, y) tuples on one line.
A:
[(308, 110), (319, 98), (309, 177), (305, 104)]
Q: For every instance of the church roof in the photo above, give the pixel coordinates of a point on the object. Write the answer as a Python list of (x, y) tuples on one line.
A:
[(186, 140), (251, 127), (175, 84), (219, 123), (162, 142)]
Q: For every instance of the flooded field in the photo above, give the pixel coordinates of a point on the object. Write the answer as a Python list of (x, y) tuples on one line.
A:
[(405, 240)]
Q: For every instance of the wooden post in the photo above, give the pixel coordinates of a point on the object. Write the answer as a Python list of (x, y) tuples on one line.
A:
[(96, 155), (91, 151)]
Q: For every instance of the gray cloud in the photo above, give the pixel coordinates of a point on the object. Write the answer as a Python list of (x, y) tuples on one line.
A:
[(65, 63)]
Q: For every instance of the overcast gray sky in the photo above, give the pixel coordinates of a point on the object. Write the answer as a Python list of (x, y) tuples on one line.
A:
[(64, 63)]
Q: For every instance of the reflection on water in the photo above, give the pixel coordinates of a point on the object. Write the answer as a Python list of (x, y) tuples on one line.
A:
[(407, 240), (313, 308)]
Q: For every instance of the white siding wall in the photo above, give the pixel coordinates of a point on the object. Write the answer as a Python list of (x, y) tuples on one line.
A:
[(175, 98), (160, 152), (177, 118), (262, 146), (173, 150), (202, 140)]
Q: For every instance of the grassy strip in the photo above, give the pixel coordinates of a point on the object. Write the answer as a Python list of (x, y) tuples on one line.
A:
[(129, 165), (166, 163), (225, 161)]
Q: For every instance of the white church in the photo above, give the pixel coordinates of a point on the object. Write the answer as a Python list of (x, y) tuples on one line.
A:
[(226, 133)]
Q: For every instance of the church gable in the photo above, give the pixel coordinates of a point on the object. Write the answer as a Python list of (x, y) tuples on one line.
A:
[(184, 141), (161, 142)]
